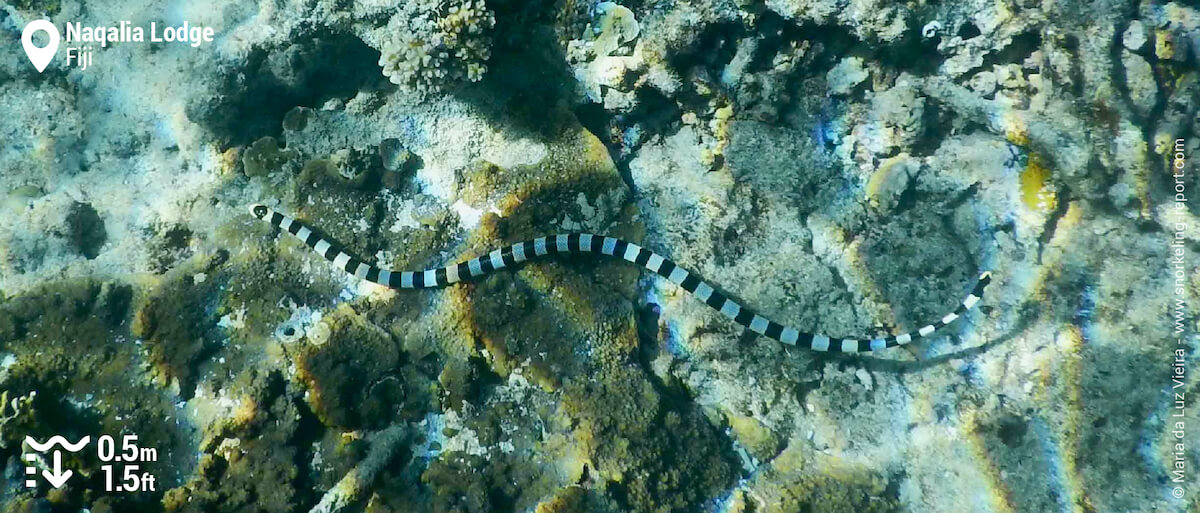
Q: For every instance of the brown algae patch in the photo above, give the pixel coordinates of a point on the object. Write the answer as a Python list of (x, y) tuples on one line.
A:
[(251, 462), (360, 378), (76, 372), (653, 453), (179, 328)]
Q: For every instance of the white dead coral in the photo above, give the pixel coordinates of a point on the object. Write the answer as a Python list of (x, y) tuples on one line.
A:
[(599, 60), (615, 26), (429, 44), (384, 446)]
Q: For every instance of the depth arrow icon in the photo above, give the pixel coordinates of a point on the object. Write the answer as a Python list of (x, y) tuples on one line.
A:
[(59, 477)]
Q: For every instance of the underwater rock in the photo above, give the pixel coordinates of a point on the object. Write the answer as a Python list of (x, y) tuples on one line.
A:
[(296, 119), (265, 157), (178, 329), (891, 180), (394, 155), (1139, 78), (601, 64), (1134, 37), (848, 73), (845, 76), (356, 167), (172, 244), (357, 378), (984, 83), (69, 341), (247, 96), (785, 486), (384, 445), (896, 120)]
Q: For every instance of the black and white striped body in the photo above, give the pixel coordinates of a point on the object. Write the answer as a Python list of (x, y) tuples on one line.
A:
[(579, 243)]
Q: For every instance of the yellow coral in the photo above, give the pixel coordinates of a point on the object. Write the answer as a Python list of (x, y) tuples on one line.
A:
[(1037, 191)]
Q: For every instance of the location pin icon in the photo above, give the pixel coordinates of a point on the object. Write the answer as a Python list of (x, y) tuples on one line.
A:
[(40, 57)]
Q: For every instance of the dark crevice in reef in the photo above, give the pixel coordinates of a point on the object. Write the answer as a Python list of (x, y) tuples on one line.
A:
[(85, 230), (947, 222), (714, 49), (249, 101), (308, 432), (909, 199), (1121, 82), (968, 30), (375, 215), (650, 345), (654, 114), (604, 126), (1020, 48), (937, 125), (1071, 45), (912, 54), (527, 87), (1060, 210), (654, 109)]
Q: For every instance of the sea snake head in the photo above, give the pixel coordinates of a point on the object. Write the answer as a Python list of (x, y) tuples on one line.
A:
[(259, 210)]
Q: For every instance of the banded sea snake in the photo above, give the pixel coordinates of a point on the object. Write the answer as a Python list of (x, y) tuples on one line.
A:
[(579, 243)]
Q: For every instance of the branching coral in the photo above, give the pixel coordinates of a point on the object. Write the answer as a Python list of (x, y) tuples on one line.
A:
[(430, 43)]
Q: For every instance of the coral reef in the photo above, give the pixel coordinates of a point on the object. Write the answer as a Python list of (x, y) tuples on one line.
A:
[(846, 167), (429, 44)]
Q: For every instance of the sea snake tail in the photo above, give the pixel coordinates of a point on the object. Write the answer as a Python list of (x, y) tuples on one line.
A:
[(576, 243)]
